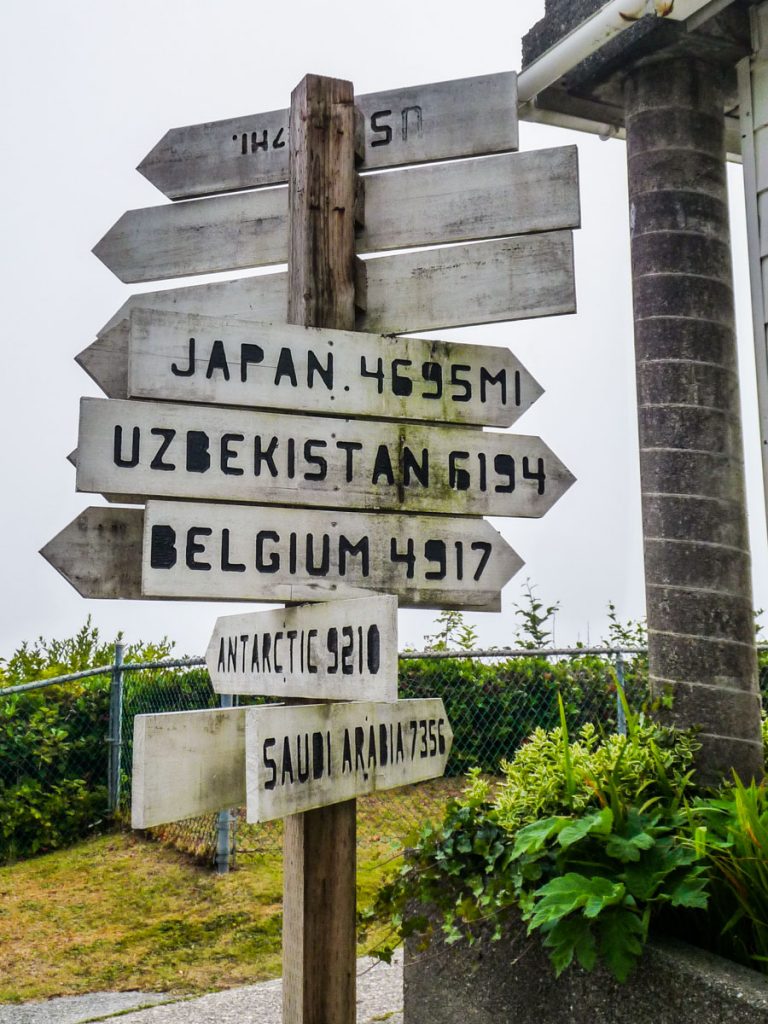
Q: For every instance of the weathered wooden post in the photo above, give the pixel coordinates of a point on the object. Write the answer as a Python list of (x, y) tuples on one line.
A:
[(697, 561), (320, 845)]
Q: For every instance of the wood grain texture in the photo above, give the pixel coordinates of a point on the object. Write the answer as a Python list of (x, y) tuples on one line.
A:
[(468, 200), (223, 361), (338, 650), (187, 763), (208, 453), (418, 124), (299, 758)]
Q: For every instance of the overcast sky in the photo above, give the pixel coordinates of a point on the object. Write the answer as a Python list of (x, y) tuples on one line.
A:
[(88, 87)]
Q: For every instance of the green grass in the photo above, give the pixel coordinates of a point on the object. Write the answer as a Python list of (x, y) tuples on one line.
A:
[(121, 912)]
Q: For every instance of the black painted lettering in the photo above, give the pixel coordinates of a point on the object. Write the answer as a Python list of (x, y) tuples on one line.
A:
[(229, 454), (266, 455), (217, 361), (221, 664), (416, 120), (458, 478), (373, 649), (285, 367), (190, 368), (250, 355), (347, 650), (412, 467), (346, 754), (371, 747), (537, 474), (278, 637), (162, 547), (259, 143), (291, 635), (359, 750), (273, 565), (302, 772), (325, 556), (243, 649), (488, 379), (232, 654), (255, 664), (316, 369), (269, 763), (383, 466), (315, 460), (485, 548), (287, 762), (317, 755), (332, 643), (399, 749), (504, 465), (226, 564), (117, 454), (380, 128), (194, 549), (167, 436), (198, 453), (348, 447), (383, 745), (279, 142), (311, 666), (266, 648), (361, 549)]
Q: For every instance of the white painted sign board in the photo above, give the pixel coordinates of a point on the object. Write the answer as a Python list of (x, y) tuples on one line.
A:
[(507, 279), (298, 758), (443, 120), (187, 763), (280, 760), (254, 553), (164, 450), (337, 650), (185, 357), (433, 205)]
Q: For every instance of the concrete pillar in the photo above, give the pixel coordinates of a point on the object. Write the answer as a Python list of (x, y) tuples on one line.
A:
[(697, 561)]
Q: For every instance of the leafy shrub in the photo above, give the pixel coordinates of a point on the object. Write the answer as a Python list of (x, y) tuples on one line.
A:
[(587, 839), (53, 754)]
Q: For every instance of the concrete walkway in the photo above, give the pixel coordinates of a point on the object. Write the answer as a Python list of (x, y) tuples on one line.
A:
[(379, 999)]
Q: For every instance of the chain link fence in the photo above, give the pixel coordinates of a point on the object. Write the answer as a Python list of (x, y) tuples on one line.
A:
[(66, 744)]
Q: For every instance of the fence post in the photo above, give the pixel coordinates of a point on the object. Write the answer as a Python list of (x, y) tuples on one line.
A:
[(115, 736), (223, 819), (621, 718)]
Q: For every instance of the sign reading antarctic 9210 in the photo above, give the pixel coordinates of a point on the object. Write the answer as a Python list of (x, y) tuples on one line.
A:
[(337, 650)]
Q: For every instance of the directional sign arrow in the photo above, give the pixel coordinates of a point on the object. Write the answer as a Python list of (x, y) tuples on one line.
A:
[(223, 361), (513, 194), (335, 650), (297, 758), (444, 120), (164, 450), (280, 760), (194, 551)]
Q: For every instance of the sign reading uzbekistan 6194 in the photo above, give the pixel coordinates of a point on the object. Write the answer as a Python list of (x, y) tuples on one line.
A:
[(338, 650)]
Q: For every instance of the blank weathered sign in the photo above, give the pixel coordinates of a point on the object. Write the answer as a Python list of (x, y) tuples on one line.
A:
[(187, 763), (513, 194), (440, 121), (131, 449), (511, 279), (337, 650), (298, 758), (254, 553), (223, 361)]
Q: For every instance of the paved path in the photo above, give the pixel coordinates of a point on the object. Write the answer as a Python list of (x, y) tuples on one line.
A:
[(379, 999)]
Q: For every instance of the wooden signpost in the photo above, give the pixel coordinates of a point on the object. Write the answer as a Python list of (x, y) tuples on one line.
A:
[(340, 650), (160, 449), (230, 400), (223, 361)]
